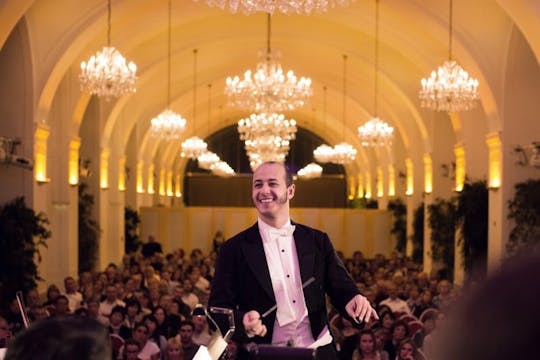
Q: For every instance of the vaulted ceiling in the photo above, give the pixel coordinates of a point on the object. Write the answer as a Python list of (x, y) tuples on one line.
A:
[(59, 34)]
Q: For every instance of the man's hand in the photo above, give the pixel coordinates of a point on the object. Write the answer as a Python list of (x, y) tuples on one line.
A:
[(253, 324), (360, 309)]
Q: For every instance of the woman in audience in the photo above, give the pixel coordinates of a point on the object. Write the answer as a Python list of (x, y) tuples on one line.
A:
[(400, 331), (149, 349), (160, 314), (173, 350), (408, 351), (367, 348)]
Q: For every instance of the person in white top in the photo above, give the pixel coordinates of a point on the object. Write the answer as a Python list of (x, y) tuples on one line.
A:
[(395, 304), (276, 274)]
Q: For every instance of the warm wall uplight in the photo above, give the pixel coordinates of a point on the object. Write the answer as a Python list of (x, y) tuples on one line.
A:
[(428, 174), (391, 180), (493, 141), (150, 187), (177, 188), (368, 186), (459, 153), (122, 174), (360, 188), (73, 162), (409, 177), (40, 153), (104, 169), (352, 187), (140, 186), (162, 182), (169, 183), (380, 182)]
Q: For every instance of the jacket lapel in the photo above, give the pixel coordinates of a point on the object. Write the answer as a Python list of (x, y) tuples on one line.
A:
[(256, 259), (306, 253)]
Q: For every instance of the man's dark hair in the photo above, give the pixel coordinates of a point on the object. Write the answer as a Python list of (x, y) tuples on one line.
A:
[(60, 338), (187, 322)]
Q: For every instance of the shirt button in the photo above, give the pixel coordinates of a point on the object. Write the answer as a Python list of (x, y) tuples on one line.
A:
[(294, 301), (282, 250), (288, 275)]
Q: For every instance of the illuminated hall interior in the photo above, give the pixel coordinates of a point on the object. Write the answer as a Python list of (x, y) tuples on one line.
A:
[(56, 135)]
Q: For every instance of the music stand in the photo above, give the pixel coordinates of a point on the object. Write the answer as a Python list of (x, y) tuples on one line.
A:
[(269, 352)]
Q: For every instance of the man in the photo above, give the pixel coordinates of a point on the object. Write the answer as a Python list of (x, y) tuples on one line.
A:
[(284, 306), (111, 300), (189, 348), (74, 297)]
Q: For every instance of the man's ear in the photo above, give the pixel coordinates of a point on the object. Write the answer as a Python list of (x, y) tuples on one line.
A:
[(290, 191)]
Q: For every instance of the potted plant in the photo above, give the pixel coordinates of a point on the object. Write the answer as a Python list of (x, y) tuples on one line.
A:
[(399, 228), (89, 230), (131, 226), (22, 233), (524, 210), (442, 221)]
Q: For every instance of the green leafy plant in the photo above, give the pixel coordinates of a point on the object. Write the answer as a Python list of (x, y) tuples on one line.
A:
[(472, 219), (131, 233), (418, 234), (524, 209), (89, 230), (22, 233), (363, 203), (442, 221), (399, 228)]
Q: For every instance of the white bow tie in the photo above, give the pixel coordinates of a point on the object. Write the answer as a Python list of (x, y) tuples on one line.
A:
[(285, 231)]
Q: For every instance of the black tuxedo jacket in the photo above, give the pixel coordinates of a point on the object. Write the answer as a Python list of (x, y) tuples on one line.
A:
[(242, 279)]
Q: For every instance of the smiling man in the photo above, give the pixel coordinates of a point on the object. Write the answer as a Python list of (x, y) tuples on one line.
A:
[(275, 275)]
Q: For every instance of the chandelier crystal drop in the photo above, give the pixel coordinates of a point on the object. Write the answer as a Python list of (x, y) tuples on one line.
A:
[(268, 88), (310, 171), (343, 153), (207, 159), (107, 75), (376, 132), (193, 147), (323, 153), (450, 88), (222, 169), (264, 125), (168, 125), (289, 7)]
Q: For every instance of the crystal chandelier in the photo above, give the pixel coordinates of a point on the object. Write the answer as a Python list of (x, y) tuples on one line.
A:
[(310, 171), (449, 88), (343, 153), (268, 89), (106, 73), (207, 159), (376, 132), (323, 153), (168, 125), (221, 168), (288, 7), (194, 146)]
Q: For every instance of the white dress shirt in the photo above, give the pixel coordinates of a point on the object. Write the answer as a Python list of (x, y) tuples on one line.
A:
[(291, 326)]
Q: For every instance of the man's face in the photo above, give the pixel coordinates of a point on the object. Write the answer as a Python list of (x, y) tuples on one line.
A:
[(270, 193), (186, 332), (70, 285)]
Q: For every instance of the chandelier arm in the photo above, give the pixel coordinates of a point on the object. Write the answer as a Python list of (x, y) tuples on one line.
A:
[(344, 95), (268, 35), (169, 60), (450, 12), (109, 23), (194, 88), (376, 89)]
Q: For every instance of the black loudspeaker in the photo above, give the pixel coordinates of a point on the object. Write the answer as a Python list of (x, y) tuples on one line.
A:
[(268, 352)]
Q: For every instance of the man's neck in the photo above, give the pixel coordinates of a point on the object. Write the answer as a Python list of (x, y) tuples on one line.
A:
[(276, 222)]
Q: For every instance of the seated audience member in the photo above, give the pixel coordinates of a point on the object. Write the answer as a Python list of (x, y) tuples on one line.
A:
[(426, 302), (5, 333), (74, 297), (445, 295), (61, 306), (201, 333), (400, 331), (499, 319), (189, 348), (173, 350), (345, 336), (408, 351), (148, 349), (116, 323), (366, 348), (151, 247), (61, 338), (133, 313), (111, 300), (395, 304), (131, 350)]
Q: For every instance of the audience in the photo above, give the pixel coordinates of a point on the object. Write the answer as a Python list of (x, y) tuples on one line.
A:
[(155, 303)]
